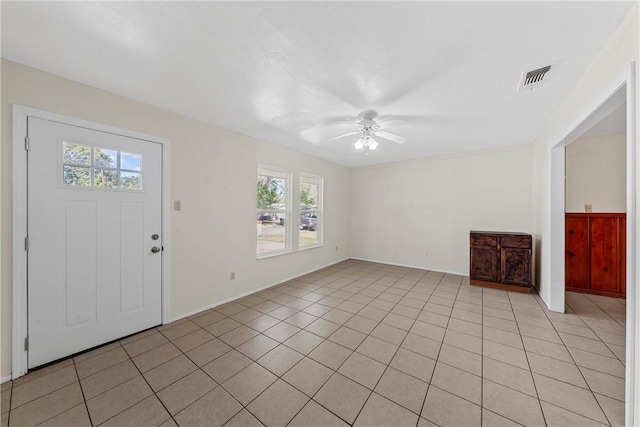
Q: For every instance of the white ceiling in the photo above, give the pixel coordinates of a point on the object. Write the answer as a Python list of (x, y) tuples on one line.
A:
[(615, 122), (285, 71)]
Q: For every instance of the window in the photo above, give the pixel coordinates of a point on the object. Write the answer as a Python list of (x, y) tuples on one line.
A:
[(273, 209), (310, 209), (86, 166)]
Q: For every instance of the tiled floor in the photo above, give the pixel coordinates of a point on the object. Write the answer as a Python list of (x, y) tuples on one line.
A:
[(356, 343)]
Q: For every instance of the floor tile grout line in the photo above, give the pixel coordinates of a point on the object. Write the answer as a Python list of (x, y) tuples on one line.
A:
[(328, 379), (281, 377), (526, 355), (438, 356), (387, 366), (579, 370), (606, 311), (599, 339), (348, 279), (136, 403), (389, 363), (355, 351)]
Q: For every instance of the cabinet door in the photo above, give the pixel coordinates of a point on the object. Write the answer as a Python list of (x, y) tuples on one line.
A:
[(484, 263), (576, 259), (622, 230), (515, 266), (604, 255)]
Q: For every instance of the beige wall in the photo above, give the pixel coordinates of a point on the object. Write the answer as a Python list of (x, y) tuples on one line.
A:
[(213, 173), (420, 213), (596, 174)]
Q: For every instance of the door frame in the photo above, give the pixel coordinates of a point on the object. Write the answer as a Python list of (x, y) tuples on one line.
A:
[(19, 316), (625, 90)]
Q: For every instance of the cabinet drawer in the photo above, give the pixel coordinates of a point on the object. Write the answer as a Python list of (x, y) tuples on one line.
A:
[(484, 240), (523, 242)]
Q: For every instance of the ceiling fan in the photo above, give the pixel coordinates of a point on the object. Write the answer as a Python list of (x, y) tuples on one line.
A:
[(369, 128)]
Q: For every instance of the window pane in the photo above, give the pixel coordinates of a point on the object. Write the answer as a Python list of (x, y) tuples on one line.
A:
[(271, 232), (130, 161), (105, 178), (271, 192), (308, 229), (76, 175), (77, 154), (105, 158), (131, 180), (273, 207), (308, 195), (309, 220)]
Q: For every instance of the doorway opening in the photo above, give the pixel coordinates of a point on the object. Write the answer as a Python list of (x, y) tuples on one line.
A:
[(622, 97)]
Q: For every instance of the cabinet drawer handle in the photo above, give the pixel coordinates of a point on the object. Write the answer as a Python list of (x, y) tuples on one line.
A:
[(571, 254)]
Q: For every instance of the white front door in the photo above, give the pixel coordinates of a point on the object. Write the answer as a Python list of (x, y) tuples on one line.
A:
[(94, 249)]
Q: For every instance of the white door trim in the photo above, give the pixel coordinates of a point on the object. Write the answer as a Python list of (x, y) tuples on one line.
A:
[(19, 221), (632, 381)]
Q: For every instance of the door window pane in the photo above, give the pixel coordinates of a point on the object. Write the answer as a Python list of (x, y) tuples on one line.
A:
[(110, 169), (105, 158), (106, 178), (76, 154), (131, 180), (130, 162), (76, 176)]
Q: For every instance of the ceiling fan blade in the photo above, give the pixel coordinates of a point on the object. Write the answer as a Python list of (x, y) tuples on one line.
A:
[(339, 119), (392, 122), (390, 136), (344, 135)]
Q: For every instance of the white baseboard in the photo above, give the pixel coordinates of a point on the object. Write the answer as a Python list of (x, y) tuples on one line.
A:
[(5, 379), (253, 291), (409, 266)]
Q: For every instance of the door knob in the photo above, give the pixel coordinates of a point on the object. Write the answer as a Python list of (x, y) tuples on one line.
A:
[(155, 249)]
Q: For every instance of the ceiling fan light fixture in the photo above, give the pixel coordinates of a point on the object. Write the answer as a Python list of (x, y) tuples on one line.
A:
[(367, 140), (368, 129)]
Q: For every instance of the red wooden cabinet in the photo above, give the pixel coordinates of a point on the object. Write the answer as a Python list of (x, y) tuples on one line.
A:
[(595, 253)]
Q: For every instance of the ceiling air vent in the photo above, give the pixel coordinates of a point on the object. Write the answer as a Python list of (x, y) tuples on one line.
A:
[(534, 78)]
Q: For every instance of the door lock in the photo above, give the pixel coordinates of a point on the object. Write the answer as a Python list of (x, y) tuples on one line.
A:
[(154, 237)]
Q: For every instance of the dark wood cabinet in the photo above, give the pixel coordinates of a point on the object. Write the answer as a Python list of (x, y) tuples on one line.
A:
[(500, 260), (595, 253)]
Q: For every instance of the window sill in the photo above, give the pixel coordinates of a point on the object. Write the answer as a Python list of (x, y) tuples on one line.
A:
[(277, 254), (306, 248)]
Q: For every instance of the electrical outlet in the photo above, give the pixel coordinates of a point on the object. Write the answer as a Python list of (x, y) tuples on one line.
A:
[(177, 205), (232, 275), (588, 208)]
